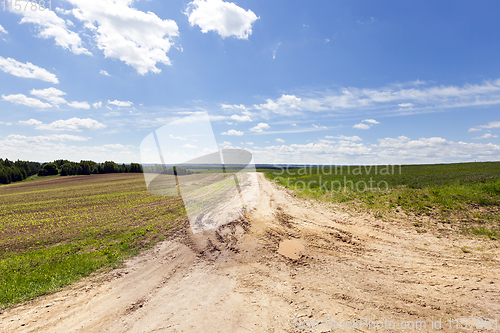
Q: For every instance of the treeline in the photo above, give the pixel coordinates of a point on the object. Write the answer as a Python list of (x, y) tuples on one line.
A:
[(20, 170), (17, 171)]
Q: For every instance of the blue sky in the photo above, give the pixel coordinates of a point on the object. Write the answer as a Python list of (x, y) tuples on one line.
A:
[(346, 82)]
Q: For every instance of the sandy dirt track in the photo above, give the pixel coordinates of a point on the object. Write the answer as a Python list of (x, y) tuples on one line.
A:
[(234, 280)]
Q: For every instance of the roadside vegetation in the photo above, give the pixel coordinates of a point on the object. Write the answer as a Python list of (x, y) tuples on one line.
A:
[(464, 197), (56, 230)]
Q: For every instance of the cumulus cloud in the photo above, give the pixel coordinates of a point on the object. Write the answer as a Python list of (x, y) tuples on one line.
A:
[(280, 140), (120, 103), (62, 146), (32, 122), (97, 105), (285, 105), (28, 101), (233, 132), (50, 25), (240, 118), (139, 39), (409, 98), (400, 150), (343, 137), (492, 124), (176, 137), (51, 95), (2, 30), (225, 18), (44, 138), (240, 107), (103, 72), (190, 146), (361, 126), (26, 70), (486, 136), (366, 124), (79, 105), (260, 127), (435, 149), (73, 124)]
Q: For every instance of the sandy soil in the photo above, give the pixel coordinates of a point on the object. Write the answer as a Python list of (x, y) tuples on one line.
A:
[(233, 279)]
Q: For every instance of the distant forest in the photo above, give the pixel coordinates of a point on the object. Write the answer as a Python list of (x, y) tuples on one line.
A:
[(16, 171)]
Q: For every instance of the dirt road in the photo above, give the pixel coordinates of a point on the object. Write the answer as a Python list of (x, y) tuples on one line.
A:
[(234, 280)]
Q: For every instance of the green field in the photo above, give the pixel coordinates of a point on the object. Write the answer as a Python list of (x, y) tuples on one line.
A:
[(53, 231), (465, 195)]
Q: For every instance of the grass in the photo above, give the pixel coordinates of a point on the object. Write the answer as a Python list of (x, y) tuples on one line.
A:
[(463, 195), (55, 231)]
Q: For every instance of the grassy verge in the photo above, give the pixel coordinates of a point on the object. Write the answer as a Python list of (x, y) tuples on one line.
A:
[(56, 231), (464, 196)]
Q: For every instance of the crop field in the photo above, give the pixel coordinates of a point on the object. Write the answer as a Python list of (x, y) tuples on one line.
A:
[(56, 230), (464, 196)]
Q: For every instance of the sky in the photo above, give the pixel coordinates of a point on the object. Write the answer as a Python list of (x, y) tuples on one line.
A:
[(319, 82)]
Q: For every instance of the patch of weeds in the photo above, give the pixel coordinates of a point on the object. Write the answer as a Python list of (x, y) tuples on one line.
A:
[(465, 249)]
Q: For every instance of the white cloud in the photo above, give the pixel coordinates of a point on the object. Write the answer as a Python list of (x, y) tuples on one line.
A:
[(73, 124), (43, 138), (50, 25), (485, 136), (52, 95), (366, 124), (343, 137), (232, 132), (26, 70), (240, 118), (401, 150), (240, 107), (2, 30), (392, 99), (120, 103), (187, 145), (63, 146), (97, 105), (361, 126), (435, 149), (31, 122), (285, 105), (103, 72), (492, 124), (280, 140), (177, 137), (225, 143), (225, 18), (260, 127), (139, 39), (28, 101), (79, 105)]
